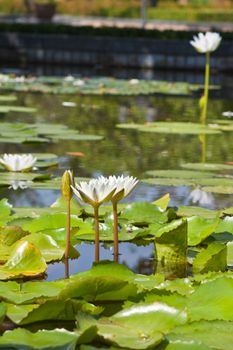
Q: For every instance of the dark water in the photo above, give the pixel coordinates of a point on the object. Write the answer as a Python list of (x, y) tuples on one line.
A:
[(121, 151)]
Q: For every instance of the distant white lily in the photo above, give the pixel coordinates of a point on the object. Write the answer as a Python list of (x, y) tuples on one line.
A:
[(79, 82), (207, 42), (198, 196), (69, 104), (228, 218), (18, 162), (95, 192), (134, 81), (69, 78), (228, 114)]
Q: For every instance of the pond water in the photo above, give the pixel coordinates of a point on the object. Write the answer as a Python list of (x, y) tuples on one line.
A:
[(121, 151)]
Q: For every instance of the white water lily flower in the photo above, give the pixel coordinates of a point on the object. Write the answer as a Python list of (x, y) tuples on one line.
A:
[(69, 104), (228, 218), (123, 184), (207, 42), (95, 192), (78, 82), (69, 78), (198, 196), (134, 81), (18, 162), (228, 114)]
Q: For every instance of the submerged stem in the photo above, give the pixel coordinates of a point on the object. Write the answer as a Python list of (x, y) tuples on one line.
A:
[(206, 90), (115, 231), (67, 252), (97, 253)]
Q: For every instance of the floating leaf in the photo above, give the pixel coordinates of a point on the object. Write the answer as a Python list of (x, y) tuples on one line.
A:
[(23, 133), (25, 260), (212, 301), (51, 310), (213, 258), (5, 210), (137, 327), (172, 128), (49, 248), (2, 312), (206, 166), (16, 109), (215, 335), (30, 292), (196, 211), (199, 229), (163, 202), (184, 174), (171, 249), (44, 340), (144, 213)]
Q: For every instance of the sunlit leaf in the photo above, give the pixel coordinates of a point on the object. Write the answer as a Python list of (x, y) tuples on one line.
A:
[(25, 260), (213, 258), (44, 340)]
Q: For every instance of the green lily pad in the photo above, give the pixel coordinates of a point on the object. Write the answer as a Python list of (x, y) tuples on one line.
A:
[(196, 211), (50, 249), (5, 211), (2, 312), (207, 166), (213, 258), (212, 300), (171, 249), (230, 253), (182, 128), (7, 98), (44, 340), (144, 213), (30, 292), (46, 221), (24, 133), (25, 260), (50, 310), (137, 327), (184, 174), (163, 202), (16, 109), (199, 229), (215, 335)]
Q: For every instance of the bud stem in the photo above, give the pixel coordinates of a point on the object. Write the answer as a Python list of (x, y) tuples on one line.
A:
[(97, 252), (67, 252), (115, 231), (206, 91)]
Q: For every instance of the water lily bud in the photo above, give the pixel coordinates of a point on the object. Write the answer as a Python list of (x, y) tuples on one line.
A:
[(66, 182)]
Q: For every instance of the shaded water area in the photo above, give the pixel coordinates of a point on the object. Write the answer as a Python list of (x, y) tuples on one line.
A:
[(121, 151)]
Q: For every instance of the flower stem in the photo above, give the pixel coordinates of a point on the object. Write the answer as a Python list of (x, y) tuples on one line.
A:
[(67, 252), (67, 275), (206, 90), (115, 230), (97, 241)]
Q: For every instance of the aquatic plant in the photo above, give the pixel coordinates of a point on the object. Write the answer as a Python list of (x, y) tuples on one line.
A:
[(66, 182), (95, 192), (124, 186), (206, 43), (18, 162)]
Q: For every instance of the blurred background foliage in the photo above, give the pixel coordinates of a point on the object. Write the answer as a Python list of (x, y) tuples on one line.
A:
[(193, 10)]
